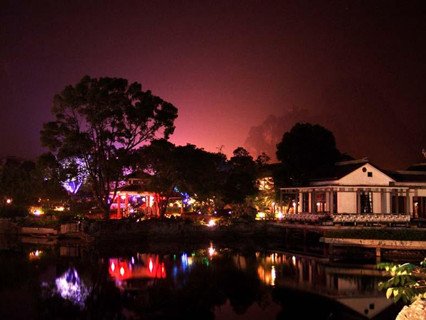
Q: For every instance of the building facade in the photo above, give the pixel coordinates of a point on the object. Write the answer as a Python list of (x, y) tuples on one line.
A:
[(360, 188)]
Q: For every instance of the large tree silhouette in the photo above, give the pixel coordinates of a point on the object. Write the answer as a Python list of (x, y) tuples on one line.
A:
[(98, 125), (305, 149)]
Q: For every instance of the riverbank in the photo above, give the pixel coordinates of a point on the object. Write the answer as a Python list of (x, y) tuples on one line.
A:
[(300, 237)]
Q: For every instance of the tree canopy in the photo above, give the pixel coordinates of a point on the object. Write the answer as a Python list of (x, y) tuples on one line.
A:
[(187, 168), (241, 177), (304, 149), (98, 125)]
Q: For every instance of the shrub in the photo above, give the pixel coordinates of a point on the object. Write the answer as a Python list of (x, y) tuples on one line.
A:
[(13, 212), (407, 281)]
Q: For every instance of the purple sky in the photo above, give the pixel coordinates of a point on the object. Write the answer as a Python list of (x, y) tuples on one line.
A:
[(356, 67)]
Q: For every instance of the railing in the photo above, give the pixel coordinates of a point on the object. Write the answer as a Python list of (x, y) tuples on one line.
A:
[(348, 218), (371, 219), (306, 218)]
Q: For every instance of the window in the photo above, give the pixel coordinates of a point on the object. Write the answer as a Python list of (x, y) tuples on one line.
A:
[(321, 204), (419, 207), (305, 202), (334, 201), (366, 202), (398, 204), (369, 174)]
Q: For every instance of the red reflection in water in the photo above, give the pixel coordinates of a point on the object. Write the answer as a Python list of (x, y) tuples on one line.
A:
[(147, 266)]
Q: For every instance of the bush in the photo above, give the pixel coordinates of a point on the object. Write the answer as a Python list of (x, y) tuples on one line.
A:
[(13, 212), (407, 281)]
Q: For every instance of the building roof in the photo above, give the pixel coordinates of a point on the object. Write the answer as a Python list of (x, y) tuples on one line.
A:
[(407, 176), (417, 167), (339, 170)]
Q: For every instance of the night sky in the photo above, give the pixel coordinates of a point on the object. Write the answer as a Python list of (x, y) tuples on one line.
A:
[(241, 73)]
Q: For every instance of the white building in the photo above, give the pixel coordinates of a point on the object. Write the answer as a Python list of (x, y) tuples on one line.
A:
[(360, 188)]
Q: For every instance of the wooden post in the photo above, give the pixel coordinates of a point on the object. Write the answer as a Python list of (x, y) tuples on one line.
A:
[(378, 254)]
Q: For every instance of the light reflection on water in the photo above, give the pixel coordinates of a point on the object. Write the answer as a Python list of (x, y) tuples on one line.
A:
[(211, 282), (354, 287)]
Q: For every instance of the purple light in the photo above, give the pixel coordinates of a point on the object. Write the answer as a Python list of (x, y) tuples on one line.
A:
[(72, 186), (70, 287)]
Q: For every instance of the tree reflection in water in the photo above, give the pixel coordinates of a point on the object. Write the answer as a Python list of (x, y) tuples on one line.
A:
[(210, 283)]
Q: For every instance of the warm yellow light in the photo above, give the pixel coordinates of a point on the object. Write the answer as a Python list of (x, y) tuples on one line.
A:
[(260, 215), (37, 211), (211, 223), (211, 250), (8, 200), (273, 275)]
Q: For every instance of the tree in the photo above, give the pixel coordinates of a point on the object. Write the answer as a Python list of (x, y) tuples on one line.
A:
[(305, 149), (20, 181), (102, 122), (187, 168), (241, 177)]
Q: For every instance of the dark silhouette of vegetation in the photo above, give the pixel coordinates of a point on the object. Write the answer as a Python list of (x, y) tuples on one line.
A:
[(303, 150), (241, 177), (19, 182), (186, 169), (98, 125)]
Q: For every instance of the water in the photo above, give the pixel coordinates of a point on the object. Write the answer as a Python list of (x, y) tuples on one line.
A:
[(211, 282)]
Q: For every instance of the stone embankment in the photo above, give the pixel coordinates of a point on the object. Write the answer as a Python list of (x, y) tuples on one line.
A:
[(415, 311)]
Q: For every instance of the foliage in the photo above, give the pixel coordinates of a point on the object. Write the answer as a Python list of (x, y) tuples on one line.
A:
[(305, 149), (240, 177), (407, 281), (100, 122), (188, 169), (20, 181), (13, 212)]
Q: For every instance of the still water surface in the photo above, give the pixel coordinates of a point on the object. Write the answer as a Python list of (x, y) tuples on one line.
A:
[(212, 282)]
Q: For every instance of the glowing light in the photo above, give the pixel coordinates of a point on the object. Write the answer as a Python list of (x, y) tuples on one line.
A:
[(72, 186), (37, 211), (133, 260), (8, 200), (113, 267), (293, 260), (70, 287), (151, 265), (122, 271), (35, 255), (260, 216), (190, 261), (211, 223), (211, 250), (59, 208), (273, 275), (280, 215)]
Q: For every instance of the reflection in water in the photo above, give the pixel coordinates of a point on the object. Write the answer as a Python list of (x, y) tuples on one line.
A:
[(144, 266), (222, 271), (35, 255), (70, 287), (209, 283)]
